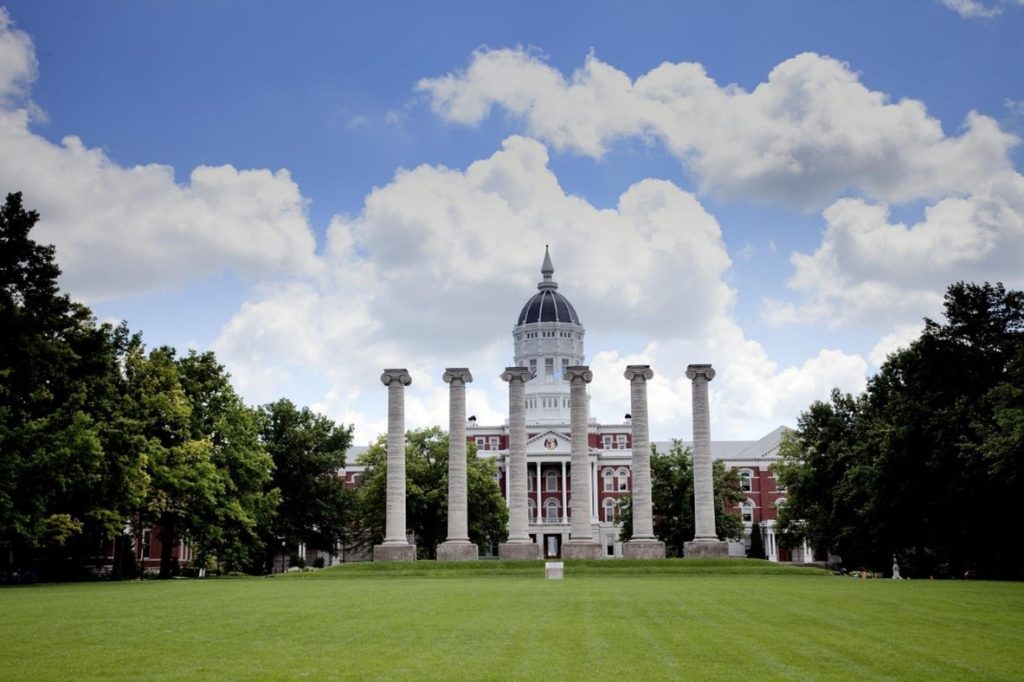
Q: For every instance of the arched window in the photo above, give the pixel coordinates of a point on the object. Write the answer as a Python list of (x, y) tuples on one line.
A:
[(609, 481), (551, 510), (551, 481), (623, 480), (529, 481), (747, 511), (532, 511), (746, 480), (610, 511)]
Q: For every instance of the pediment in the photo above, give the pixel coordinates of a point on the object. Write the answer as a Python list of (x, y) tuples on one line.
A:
[(549, 442)]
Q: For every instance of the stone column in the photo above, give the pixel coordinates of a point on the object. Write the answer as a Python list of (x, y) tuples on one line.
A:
[(396, 546), (457, 547), (705, 541), (581, 544), (519, 545), (643, 544)]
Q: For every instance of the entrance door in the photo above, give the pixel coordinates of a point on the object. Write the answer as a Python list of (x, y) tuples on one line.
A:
[(552, 546)]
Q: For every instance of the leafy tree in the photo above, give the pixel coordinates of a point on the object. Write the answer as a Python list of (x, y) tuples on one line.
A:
[(925, 463), (672, 497), (308, 450), (426, 468), (70, 467), (231, 529)]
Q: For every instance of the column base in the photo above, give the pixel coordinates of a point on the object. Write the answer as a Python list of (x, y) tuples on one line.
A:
[(706, 549), (457, 551), (518, 551), (395, 552), (582, 549), (643, 549)]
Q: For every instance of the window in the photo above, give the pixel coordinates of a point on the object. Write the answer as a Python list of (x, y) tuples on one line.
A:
[(551, 481), (481, 443), (529, 482), (494, 442), (746, 480), (609, 510), (609, 481), (551, 510), (621, 441), (549, 369), (623, 480), (607, 440), (532, 510), (565, 366), (533, 367), (147, 539), (747, 511)]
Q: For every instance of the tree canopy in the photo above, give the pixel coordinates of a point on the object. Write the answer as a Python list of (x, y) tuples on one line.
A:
[(672, 498), (100, 438), (924, 464), (426, 469)]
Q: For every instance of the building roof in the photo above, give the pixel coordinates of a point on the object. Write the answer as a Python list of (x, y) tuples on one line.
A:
[(547, 305)]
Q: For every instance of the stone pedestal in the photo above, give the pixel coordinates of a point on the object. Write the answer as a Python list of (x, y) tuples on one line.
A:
[(457, 551), (395, 552), (706, 549), (643, 549), (519, 551), (582, 549)]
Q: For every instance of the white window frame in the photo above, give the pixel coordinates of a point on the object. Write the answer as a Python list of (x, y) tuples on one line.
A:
[(609, 480), (609, 507), (747, 508), (746, 481), (551, 476), (623, 476)]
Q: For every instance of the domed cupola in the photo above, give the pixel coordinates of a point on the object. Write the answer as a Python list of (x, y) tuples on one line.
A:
[(547, 305), (548, 339)]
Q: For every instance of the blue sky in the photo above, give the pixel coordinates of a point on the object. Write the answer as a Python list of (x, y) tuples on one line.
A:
[(318, 191)]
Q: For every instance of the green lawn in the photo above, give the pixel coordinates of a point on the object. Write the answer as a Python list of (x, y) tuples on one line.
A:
[(491, 620)]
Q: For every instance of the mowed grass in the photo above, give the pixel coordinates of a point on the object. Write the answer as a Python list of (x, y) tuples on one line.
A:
[(493, 620)]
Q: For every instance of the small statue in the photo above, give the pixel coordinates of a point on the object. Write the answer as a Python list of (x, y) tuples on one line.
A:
[(895, 569)]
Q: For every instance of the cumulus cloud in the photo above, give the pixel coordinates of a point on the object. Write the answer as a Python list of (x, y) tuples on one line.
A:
[(868, 270), (810, 132), (435, 268), (976, 9), (123, 230), (18, 65)]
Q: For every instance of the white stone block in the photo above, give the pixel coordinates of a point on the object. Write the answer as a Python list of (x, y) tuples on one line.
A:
[(554, 570)]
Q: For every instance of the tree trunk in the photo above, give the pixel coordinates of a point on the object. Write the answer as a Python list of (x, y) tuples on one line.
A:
[(166, 547)]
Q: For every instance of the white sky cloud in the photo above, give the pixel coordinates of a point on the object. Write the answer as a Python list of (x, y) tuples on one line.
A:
[(125, 230), (976, 9), (435, 269), (868, 270), (809, 133)]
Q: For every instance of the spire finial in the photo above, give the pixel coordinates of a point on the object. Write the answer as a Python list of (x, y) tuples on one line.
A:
[(547, 269)]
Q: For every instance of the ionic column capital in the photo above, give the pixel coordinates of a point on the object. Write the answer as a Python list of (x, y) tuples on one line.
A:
[(578, 374), (643, 372), (400, 375), (521, 374), (705, 372), (453, 374)]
